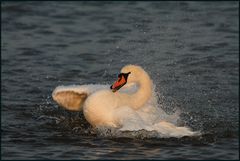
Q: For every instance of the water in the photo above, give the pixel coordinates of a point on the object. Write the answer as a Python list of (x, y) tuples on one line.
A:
[(190, 49)]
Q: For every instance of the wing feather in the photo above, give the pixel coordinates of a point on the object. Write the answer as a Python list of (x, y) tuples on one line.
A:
[(72, 97)]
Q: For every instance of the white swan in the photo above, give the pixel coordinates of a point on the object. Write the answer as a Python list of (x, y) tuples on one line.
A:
[(118, 108), (100, 107)]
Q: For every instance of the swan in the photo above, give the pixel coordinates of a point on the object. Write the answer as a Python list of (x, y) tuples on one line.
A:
[(100, 107), (121, 105)]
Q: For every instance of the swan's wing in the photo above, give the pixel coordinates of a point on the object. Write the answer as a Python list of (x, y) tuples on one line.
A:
[(72, 97)]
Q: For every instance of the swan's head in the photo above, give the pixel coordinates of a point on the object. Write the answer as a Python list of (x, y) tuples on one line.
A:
[(129, 74)]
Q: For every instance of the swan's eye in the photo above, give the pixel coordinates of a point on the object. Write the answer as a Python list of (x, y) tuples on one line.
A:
[(119, 79), (123, 75)]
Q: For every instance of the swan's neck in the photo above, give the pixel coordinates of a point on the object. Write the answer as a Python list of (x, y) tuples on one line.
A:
[(144, 92)]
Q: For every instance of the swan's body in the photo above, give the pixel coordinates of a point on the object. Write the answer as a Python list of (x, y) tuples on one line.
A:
[(100, 107), (103, 107)]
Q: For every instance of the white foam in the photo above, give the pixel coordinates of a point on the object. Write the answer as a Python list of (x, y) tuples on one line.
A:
[(152, 118)]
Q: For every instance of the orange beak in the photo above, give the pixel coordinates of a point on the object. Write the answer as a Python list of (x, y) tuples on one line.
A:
[(122, 80)]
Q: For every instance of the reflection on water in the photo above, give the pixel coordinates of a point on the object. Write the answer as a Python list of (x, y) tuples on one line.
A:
[(190, 49)]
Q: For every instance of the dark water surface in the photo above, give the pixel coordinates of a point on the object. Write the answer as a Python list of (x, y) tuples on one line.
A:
[(190, 49)]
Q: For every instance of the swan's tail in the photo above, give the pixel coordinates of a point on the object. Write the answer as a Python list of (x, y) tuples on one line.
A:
[(168, 129)]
